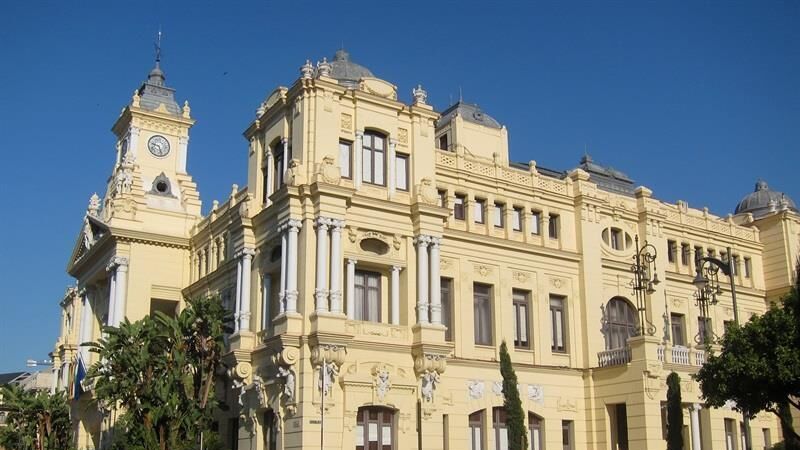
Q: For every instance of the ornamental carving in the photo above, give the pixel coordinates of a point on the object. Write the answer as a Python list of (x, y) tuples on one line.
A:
[(556, 282), (567, 404), (402, 135), (497, 388), (328, 171), (483, 270), (347, 122), (536, 393), (475, 389), (445, 264), (677, 302), (381, 381), (520, 277), (428, 383), (427, 192)]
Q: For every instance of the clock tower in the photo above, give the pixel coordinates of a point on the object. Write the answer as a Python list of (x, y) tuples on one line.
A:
[(150, 188)]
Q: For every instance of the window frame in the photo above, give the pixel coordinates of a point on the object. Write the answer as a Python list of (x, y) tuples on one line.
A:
[(484, 300), (672, 251), (535, 422), (363, 421), (567, 435), (748, 267), (517, 219), (499, 426), (498, 218), (556, 325), (372, 150), (476, 422), (479, 212), (277, 163), (536, 222), (363, 314), (677, 327), (521, 299), (686, 251), (554, 226), (460, 207), (349, 167), (404, 159), (618, 312), (446, 287)]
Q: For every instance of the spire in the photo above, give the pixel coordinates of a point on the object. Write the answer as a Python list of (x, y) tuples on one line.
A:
[(156, 75)]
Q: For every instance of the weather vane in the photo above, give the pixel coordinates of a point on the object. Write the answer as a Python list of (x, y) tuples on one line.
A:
[(158, 46)]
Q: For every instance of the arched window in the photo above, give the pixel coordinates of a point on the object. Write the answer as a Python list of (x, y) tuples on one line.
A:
[(373, 160), (499, 418), (375, 428), (535, 431), (270, 427), (476, 430), (621, 323)]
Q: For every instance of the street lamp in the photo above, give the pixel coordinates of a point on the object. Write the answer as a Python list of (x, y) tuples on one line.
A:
[(706, 281), (644, 282)]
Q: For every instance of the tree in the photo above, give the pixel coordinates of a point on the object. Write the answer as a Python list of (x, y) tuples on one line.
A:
[(674, 413), (161, 371), (759, 365), (36, 420), (517, 435)]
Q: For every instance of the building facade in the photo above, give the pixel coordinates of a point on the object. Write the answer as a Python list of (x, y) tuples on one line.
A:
[(381, 252)]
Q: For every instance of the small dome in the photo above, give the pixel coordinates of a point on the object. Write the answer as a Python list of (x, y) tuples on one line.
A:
[(764, 200), (469, 112), (346, 71)]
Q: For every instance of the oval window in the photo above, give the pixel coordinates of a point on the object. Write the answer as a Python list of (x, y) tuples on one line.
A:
[(375, 246), (617, 239)]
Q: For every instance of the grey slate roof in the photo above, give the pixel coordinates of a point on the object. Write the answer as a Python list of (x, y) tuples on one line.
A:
[(153, 92), (346, 71), (7, 378), (764, 200), (607, 178), (469, 112)]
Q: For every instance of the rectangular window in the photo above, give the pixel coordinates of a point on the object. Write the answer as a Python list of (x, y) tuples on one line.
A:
[(536, 222), (553, 226), (277, 162), (703, 324), (748, 267), (516, 219), (685, 254), (698, 253), (345, 160), (443, 142), (401, 171), (730, 434), (672, 250), (558, 324), (767, 438), (479, 213), (442, 198), (459, 212), (616, 238), (476, 430), (499, 221), (367, 296), (712, 253), (567, 435), (482, 306), (447, 307), (677, 328), (373, 165), (521, 304), (265, 183)]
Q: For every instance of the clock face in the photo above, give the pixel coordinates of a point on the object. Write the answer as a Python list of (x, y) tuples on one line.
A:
[(158, 145)]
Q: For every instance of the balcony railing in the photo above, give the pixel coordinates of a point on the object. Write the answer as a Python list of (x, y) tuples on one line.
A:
[(614, 357), (680, 355)]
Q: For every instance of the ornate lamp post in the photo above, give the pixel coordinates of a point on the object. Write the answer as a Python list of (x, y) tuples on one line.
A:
[(706, 281), (644, 281)]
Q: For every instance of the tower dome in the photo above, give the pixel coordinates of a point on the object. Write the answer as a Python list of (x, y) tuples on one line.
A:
[(764, 200), (346, 71)]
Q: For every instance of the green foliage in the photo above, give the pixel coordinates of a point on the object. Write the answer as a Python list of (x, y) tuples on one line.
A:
[(160, 372), (517, 434), (674, 413), (759, 365), (36, 420)]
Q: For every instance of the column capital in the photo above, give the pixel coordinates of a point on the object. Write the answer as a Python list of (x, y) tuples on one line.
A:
[(359, 134), (435, 241), (422, 240), (695, 407), (324, 222), (116, 262), (352, 261), (284, 140), (337, 224), (392, 142), (397, 268), (292, 225)]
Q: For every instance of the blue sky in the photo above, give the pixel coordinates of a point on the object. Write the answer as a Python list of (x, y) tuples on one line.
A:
[(692, 99)]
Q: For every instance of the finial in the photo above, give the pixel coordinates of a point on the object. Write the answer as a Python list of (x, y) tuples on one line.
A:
[(324, 68), (307, 70), (186, 109), (94, 205), (460, 95), (420, 95), (135, 98), (158, 46)]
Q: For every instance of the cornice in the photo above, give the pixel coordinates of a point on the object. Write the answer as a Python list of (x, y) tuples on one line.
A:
[(483, 239)]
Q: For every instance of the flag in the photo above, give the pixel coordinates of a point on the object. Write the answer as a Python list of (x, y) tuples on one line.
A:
[(80, 374)]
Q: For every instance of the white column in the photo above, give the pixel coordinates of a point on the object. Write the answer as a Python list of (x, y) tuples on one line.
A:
[(285, 162), (436, 289), (266, 288), (422, 278), (244, 306), (112, 296), (357, 155), (694, 418), (183, 146), (270, 174), (336, 266), (120, 289), (395, 300), (284, 250), (291, 262), (134, 141), (87, 326), (351, 288), (238, 303), (391, 176), (321, 292)]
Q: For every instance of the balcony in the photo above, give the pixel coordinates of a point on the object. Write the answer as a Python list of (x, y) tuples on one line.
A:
[(614, 357)]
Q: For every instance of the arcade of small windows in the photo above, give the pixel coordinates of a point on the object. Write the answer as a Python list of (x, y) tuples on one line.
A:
[(479, 440)]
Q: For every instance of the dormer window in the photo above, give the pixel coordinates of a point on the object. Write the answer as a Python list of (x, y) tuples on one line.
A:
[(373, 159), (443, 144)]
